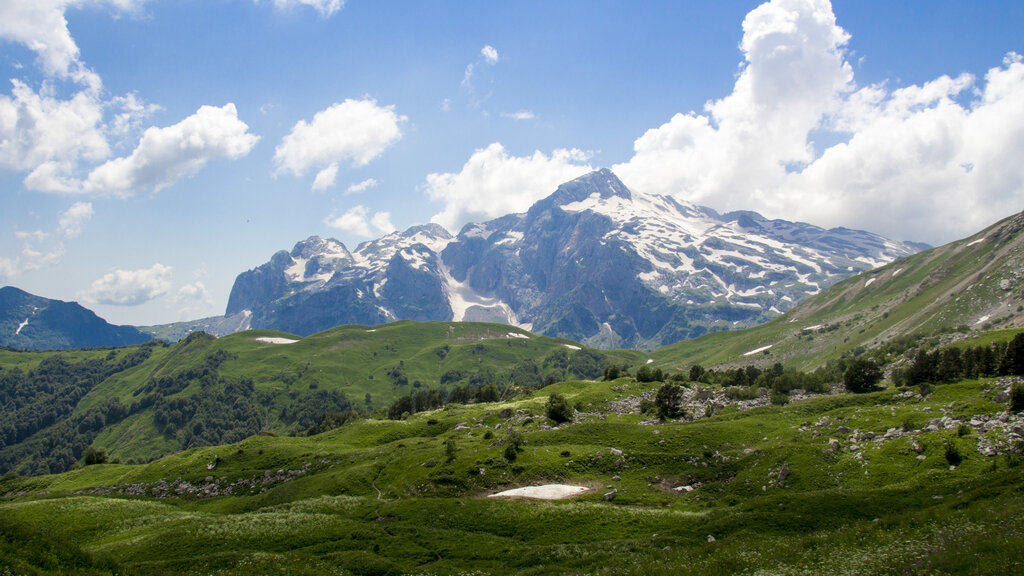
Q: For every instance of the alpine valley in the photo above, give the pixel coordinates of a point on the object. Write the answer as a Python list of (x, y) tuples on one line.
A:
[(593, 262)]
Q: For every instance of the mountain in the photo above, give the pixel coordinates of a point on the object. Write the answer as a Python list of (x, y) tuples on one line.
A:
[(34, 322), (213, 325), (970, 285), (593, 262)]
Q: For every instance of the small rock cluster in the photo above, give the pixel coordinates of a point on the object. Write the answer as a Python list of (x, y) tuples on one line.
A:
[(209, 487)]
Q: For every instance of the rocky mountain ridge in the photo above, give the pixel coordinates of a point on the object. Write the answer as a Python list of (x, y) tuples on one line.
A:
[(594, 262)]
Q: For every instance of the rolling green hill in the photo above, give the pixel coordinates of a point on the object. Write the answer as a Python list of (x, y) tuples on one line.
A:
[(206, 391), (971, 285), (883, 483)]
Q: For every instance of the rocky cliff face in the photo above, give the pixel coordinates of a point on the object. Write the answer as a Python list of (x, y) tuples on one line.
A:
[(593, 262)]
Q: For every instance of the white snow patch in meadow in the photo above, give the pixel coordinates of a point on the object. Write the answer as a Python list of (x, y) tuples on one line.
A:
[(274, 340), (869, 282), (571, 347), (897, 272), (978, 241), (982, 319), (649, 361), (546, 492), (756, 350), (815, 327), (370, 330), (20, 326), (518, 335)]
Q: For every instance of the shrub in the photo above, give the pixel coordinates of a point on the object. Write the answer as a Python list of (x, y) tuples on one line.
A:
[(558, 408), (669, 401), (953, 454), (513, 444), (779, 398), (450, 449), (861, 375), (1017, 397), (94, 456)]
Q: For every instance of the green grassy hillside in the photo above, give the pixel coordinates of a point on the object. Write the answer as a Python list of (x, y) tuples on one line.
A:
[(966, 286), (882, 483), (205, 391)]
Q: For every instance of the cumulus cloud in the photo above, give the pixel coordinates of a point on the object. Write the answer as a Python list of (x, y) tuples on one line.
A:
[(355, 221), (490, 54), (357, 131), (381, 221), (46, 136), (493, 183), (41, 27), (71, 221), (50, 137), (911, 163), (40, 249), (129, 287), (326, 177), (165, 155), (324, 7), (29, 258), (195, 291), (360, 187)]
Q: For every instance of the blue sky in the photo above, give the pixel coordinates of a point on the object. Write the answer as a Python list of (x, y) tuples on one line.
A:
[(151, 150)]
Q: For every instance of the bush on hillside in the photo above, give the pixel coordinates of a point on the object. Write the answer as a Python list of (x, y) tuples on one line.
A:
[(558, 408), (861, 375), (1017, 397), (669, 401)]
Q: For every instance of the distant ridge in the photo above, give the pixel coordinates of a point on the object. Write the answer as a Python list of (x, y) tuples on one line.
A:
[(32, 322)]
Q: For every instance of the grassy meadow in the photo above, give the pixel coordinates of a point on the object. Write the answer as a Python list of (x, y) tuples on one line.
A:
[(794, 489)]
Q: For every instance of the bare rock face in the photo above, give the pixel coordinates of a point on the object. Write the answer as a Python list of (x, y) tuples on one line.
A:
[(593, 262)]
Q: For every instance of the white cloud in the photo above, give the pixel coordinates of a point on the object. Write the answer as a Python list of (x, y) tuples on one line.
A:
[(326, 177), (165, 155), (45, 135), (360, 187), (354, 221), (912, 163), (41, 27), (41, 249), (31, 259), (324, 7), (354, 130), (129, 287), (71, 221), (520, 115), (492, 183), (381, 221), (490, 54), (195, 291)]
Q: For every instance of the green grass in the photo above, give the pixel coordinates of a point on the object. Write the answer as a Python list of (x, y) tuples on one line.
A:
[(380, 497)]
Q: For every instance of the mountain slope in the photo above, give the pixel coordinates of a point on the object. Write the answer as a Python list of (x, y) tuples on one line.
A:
[(34, 322), (593, 262), (972, 284), (145, 401)]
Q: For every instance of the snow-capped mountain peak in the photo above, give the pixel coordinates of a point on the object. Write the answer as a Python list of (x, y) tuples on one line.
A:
[(593, 261)]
